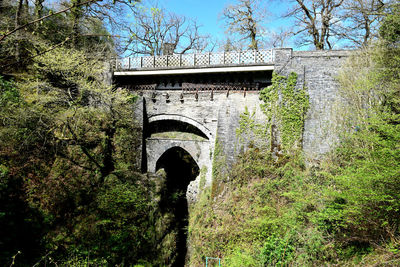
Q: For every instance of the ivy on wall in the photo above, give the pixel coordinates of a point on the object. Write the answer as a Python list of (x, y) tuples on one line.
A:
[(250, 130), (285, 106)]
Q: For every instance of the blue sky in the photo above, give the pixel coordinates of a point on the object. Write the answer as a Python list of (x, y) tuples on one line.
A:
[(207, 13)]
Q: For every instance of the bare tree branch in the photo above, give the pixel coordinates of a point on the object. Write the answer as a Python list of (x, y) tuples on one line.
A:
[(17, 28), (315, 20), (244, 18), (155, 27)]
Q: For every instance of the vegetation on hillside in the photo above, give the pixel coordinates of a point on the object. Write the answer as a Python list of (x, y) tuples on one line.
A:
[(280, 211), (70, 188), (67, 160)]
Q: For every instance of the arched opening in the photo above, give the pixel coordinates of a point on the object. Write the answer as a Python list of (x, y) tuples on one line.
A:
[(170, 126), (167, 123), (180, 169)]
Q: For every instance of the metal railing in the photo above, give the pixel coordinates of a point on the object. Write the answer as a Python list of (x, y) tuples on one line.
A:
[(197, 60)]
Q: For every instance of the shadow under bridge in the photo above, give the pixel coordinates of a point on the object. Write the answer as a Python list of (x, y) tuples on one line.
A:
[(183, 148), (168, 131)]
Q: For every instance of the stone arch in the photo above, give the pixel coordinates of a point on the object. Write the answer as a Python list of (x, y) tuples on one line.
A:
[(164, 156), (198, 150), (184, 119)]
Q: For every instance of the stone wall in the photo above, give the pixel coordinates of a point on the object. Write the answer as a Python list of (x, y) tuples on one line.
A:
[(317, 70), (219, 112)]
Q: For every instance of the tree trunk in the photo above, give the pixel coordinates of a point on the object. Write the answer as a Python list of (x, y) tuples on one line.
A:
[(254, 44), (108, 161), (18, 15), (367, 31), (76, 14), (38, 12)]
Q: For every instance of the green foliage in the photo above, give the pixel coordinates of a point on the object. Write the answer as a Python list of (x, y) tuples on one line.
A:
[(247, 124), (81, 261), (239, 258), (345, 211), (120, 225), (368, 160), (250, 131), (9, 95), (285, 106), (277, 251), (277, 200), (390, 28), (66, 153)]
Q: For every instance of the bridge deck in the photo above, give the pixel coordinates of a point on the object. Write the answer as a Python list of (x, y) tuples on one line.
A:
[(203, 70), (203, 61)]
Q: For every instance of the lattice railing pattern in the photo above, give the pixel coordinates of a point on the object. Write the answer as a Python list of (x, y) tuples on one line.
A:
[(174, 60), (196, 87), (187, 60), (220, 86), (147, 62), (217, 58), (193, 60), (141, 87)]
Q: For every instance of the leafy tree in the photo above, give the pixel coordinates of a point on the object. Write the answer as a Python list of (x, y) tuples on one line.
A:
[(21, 226), (367, 179), (389, 31), (33, 35), (67, 142)]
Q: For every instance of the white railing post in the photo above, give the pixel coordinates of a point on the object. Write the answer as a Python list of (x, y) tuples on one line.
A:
[(272, 55)]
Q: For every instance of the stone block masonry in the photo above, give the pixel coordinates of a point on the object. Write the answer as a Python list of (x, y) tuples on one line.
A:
[(317, 71), (215, 115), (218, 114)]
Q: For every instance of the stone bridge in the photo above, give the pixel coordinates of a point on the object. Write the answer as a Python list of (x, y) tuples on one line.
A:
[(194, 101)]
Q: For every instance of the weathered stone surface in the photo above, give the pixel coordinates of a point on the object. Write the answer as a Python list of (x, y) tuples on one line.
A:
[(217, 118), (317, 70), (217, 113)]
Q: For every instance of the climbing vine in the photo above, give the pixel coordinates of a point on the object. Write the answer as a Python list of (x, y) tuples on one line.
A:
[(285, 106), (249, 128)]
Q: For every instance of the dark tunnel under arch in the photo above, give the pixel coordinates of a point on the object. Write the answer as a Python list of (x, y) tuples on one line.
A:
[(180, 169)]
